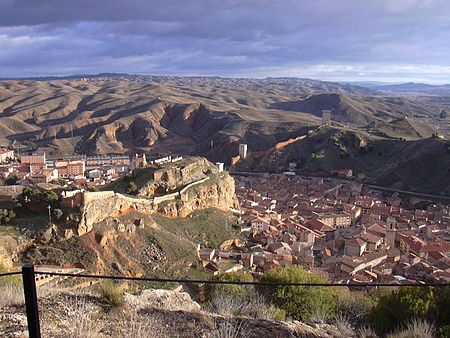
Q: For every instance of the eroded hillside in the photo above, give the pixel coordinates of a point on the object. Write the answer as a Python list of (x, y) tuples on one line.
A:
[(205, 116)]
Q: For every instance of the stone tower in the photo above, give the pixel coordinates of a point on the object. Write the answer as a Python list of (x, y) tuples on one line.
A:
[(326, 117), (390, 232), (139, 161), (243, 150)]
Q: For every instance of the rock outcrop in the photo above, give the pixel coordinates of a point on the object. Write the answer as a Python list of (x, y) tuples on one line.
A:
[(162, 299), (195, 184), (10, 248)]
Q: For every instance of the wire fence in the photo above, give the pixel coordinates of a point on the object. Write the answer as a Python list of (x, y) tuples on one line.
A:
[(31, 301), (199, 281), (10, 274)]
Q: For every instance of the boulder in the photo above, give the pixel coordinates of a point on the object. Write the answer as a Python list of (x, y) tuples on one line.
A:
[(68, 233), (162, 299)]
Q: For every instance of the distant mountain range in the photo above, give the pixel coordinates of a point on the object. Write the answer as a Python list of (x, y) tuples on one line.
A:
[(405, 87)]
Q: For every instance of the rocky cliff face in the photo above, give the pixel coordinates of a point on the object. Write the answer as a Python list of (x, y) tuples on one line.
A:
[(197, 184), (216, 192)]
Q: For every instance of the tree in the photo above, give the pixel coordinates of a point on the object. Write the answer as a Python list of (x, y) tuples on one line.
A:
[(49, 196), (406, 304), (36, 197), (31, 195), (131, 188), (299, 302)]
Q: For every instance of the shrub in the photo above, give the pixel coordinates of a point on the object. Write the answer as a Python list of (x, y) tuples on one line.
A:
[(299, 302), (111, 296), (227, 306), (145, 326), (443, 331), (238, 291), (407, 304), (6, 215), (49, 197), (11, 180), (275, 313), (343, 326), (366, 332), (131, 188), (441, 313), (354, 307)]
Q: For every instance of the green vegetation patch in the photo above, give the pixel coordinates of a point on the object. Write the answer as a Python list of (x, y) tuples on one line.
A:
[(209, 227)]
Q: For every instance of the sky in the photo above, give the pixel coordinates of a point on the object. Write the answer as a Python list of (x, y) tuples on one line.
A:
[(336, 40)]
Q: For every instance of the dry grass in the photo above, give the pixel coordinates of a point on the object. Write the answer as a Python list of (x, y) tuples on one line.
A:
[(85, 322), (111, 296), (141, 326), (230, 329), (11, 294), (366, 332), (343, 326), (416, 328), (253, 306)]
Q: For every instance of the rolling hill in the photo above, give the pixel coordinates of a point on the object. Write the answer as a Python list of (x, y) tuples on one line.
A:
[(207, 116)]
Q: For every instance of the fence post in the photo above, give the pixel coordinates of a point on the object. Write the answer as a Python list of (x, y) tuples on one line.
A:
[(29, 288)]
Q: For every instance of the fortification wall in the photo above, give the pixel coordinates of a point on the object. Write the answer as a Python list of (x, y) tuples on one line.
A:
[(168, 197), (90, 196), (182, 191), (73, 201), (259, 154)]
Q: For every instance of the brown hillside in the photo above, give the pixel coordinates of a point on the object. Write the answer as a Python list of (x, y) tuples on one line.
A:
[(182, 115)]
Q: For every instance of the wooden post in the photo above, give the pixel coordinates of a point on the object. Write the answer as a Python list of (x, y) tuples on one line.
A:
[(29, 287)]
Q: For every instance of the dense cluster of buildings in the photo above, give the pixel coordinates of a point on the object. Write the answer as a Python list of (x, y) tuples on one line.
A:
[(345, 232), (76, 169)]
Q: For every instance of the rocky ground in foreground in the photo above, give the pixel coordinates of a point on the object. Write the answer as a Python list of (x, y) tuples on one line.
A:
[(152, 313)]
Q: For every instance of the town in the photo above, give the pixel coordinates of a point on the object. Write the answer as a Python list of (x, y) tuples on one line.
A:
[(340, 229), (345, 232)]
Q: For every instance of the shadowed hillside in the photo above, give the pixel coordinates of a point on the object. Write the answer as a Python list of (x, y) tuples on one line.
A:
[(417, 165)]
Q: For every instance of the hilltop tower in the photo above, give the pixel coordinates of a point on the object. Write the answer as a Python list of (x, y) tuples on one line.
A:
[(326, 117), (243, 150), (139, 161), (390, 232)]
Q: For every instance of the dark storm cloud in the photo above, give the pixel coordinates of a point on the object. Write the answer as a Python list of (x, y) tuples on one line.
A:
[(322, 38)]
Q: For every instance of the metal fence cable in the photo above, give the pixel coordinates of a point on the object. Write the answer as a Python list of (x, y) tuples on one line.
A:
[(196, 281)]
